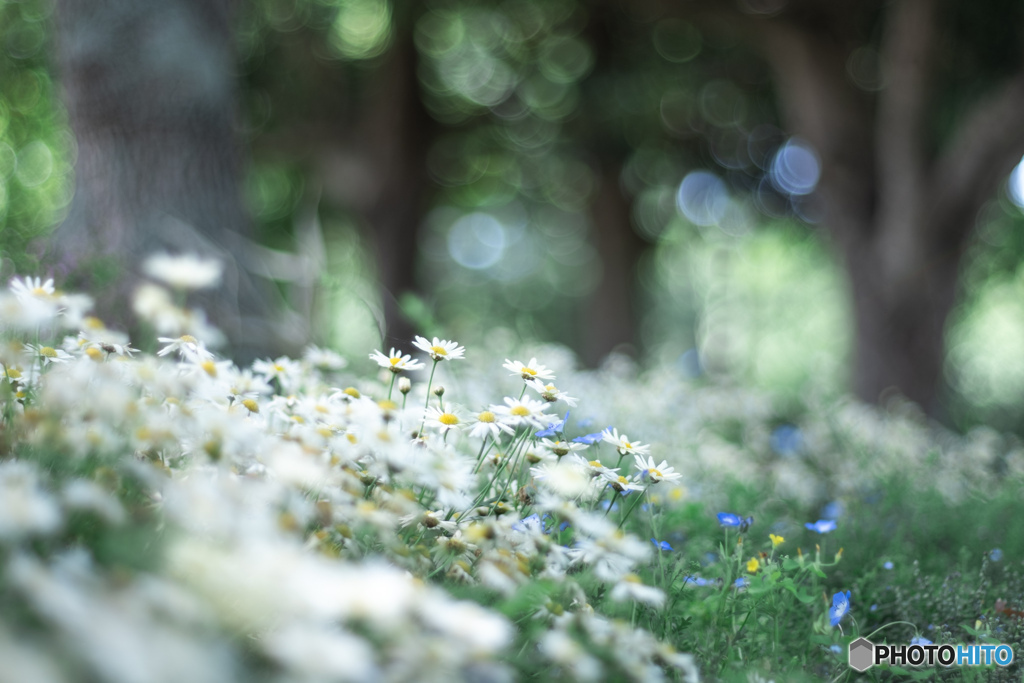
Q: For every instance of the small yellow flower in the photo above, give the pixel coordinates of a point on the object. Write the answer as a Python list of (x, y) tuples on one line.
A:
[(753, 565), (776, 540)]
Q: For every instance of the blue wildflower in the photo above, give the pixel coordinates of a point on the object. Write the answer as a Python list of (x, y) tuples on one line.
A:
[(661, 545), (697, 581), (558, 427), (835, 649), (840, 606), (531, 523), (995, 554), (606, 503), (918, 640), (728, 519), (786, 440), (833, 510), (590, 438), (822, 526), (741, 582), (888, 565)]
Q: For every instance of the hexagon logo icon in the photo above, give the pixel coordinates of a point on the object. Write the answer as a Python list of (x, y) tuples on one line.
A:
[(862, 654)]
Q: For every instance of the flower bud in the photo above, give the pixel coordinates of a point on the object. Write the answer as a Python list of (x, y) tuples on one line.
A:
[(404, 385)]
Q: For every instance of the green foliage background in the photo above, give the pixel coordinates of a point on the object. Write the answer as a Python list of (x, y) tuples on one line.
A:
[(761, 300)]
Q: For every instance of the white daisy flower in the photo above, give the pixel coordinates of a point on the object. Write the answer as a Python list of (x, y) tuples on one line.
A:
[(395, 362), (487, 423), (284, 369), (550, 393), (631, 588), (661, 472), (529, 371), (524, 411), (186, 271), (623, 444), (619, 482), (560, 448), (186, 345), (440, 349), (32, 288), (443, 420), (324, 359), (595, 467), (48, 354)]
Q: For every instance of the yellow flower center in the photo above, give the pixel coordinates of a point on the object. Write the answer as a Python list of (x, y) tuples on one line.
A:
[(448, 419), (529, 371), (39, 291), (595, 463), (187, 338), (623, 480), (520, 411), (352, 391), (394, 361), (278, 367), (655, 473), (439, 350), (94, 353), (210, 368), (627, 445), (48, 351), (387, 405), (486, 416), (251, 405), (631, 578)]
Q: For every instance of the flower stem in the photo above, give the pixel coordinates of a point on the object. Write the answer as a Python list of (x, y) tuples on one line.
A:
[(426, 403)]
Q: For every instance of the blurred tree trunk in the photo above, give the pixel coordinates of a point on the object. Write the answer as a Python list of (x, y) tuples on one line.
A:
[(611, 320), (395, 135), (900, 206), (366, 134), (611, 317), (150, 90)]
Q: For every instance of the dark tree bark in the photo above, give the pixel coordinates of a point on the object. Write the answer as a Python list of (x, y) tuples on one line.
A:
[(397, 131), (611, 318), (150, 90)]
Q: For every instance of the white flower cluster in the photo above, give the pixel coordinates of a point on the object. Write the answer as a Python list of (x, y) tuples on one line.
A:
[(172, 517)]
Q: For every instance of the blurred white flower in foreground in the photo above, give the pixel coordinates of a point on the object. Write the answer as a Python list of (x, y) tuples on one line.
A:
[(185, 271)]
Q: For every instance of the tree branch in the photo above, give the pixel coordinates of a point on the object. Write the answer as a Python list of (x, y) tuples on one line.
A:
[(984, 151), (906, 53), (820, 105), (899, 144)]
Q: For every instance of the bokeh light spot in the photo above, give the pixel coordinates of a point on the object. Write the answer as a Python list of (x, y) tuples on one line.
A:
[(703, 198), (361, 28), (34, 165), (1015, 187), (477, 241), (795, 169)]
